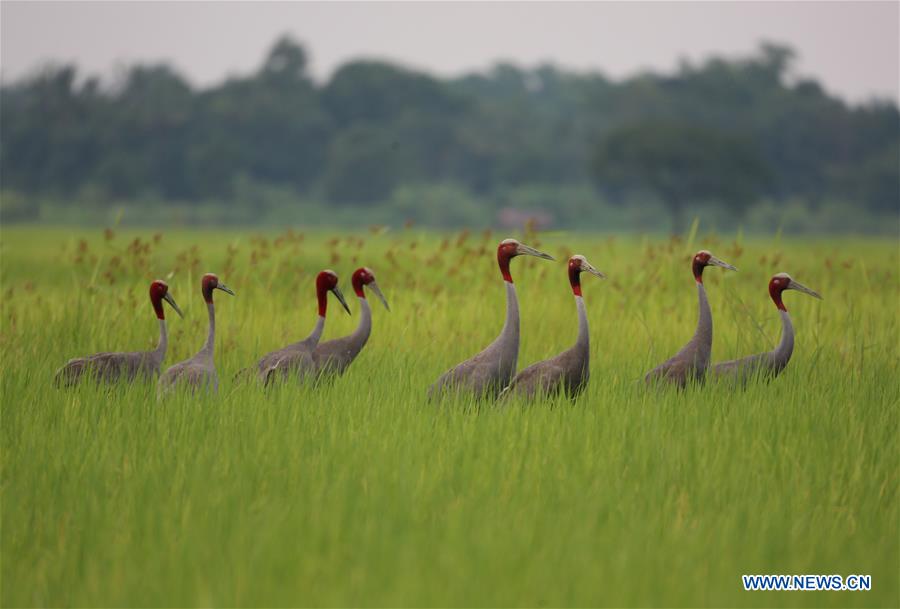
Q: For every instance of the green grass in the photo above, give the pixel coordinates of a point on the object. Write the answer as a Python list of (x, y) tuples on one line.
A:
[(361, 493)]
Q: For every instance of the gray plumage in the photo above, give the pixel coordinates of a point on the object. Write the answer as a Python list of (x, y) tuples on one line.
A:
[(487, 373), (771, 363), (333, 357), (768, 364), (692, 361), (569, 371), (115, 367), (301, 351), (198, 372), (295, 359)]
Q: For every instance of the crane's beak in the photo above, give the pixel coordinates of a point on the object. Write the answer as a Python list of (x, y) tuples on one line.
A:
[(530, 251), (225, 289), (589, 268), (721, 263), (377, 291), (168, 298), (793, 285), (337, 293)]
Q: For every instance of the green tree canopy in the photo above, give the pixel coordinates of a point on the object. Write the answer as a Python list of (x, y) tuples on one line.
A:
[(725, 129), (681, 163)]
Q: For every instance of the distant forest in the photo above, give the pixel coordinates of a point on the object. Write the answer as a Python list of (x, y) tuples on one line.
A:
[(740, 140)]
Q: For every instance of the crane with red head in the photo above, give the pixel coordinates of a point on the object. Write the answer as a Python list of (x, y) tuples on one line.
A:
[(692, 361), (199, 372), (568, 371), (491, 370), (771, 363), (127, 366), (296, 359), (333, 357)]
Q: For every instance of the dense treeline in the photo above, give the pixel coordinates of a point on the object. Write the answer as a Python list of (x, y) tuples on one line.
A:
[(378, 134)]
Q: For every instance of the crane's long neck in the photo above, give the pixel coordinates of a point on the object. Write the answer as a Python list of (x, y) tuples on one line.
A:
[(782, 353), (364, 328), (509, 335), (583, 341), (704, 333), (511, 325), (159, 353), (316, 334), (208, 348)]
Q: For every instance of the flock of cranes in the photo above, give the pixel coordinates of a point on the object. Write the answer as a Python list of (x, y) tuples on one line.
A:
[(490, 374), (305, 358)]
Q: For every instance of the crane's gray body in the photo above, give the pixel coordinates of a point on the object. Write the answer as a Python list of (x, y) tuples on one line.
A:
[(489, 372), (115, 367), (769, 364), (692, 361), (569, 371), (198, 372), (333, 357), (294, 360)]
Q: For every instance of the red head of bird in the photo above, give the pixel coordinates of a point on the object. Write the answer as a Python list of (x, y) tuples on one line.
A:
[(578, 264), (159, 291), (703, 259), (327, 281), (364, 277), (781, 282), (209, 283), (509, 249)]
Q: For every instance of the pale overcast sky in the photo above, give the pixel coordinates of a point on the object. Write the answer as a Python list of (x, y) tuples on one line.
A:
[(852, 47)]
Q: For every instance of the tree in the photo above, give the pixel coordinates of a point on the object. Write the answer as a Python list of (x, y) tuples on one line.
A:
[(150, 121), (363, 166), (376, 126), (286, 59), (269, 127), (681, 163), (378, 92), (49, 123)]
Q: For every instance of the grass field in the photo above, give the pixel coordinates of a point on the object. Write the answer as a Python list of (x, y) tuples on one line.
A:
[(361, 493)]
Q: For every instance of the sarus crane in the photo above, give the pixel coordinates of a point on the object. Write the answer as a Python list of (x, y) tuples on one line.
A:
[(333, 357), (297, 358), (490, 371), (692, 361), (113, 367), (568, 371), (770, 363), (198, 372)]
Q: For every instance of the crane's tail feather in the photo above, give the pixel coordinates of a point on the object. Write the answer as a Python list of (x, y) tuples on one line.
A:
[(70, 374)]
